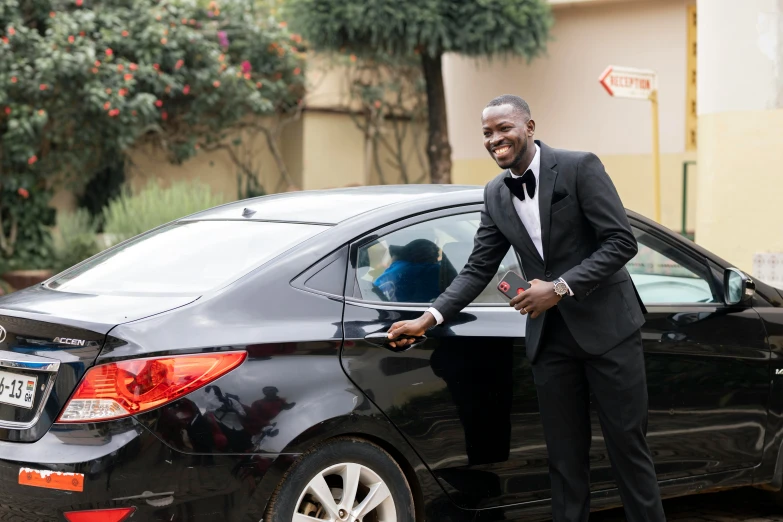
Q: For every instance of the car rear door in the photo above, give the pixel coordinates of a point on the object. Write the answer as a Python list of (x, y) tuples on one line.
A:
[(464, 398), (707, 366)]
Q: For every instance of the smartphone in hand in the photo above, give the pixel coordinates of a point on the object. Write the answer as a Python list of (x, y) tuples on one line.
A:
[(512, 285)]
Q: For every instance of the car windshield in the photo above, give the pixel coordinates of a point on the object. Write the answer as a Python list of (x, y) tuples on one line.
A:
[(185, 258)]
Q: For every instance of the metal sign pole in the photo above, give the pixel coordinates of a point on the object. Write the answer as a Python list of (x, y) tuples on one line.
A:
[(656, 155)]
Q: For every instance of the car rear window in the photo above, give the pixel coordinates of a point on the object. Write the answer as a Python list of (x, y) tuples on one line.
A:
[(187, 258)]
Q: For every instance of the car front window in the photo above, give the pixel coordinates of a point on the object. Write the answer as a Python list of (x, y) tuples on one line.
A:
[(664, 275), (185, 258)]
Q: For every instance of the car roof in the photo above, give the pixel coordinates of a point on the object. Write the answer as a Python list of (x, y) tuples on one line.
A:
[(332, 206)]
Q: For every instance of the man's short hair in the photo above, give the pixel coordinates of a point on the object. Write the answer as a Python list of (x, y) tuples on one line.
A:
[(520, 106)]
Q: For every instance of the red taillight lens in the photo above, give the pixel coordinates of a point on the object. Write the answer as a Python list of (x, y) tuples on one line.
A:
[(114, 390), (100, 515)]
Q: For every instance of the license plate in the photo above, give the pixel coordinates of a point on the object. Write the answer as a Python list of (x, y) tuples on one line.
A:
[(17, 389)]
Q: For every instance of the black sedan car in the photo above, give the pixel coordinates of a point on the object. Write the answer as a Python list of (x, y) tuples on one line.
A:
[(233, 365)]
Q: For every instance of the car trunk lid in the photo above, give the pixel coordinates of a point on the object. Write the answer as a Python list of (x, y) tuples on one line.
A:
[(48, 340)]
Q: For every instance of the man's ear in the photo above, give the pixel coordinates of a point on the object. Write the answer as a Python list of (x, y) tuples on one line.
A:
[(531, 127)]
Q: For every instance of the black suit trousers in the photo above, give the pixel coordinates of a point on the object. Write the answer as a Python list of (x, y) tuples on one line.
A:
[(565, 375)]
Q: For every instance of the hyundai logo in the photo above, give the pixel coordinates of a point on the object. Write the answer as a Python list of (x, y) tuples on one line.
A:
[(2, 334)]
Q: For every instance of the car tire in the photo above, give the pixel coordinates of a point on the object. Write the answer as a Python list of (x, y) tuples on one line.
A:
[(380, 482)]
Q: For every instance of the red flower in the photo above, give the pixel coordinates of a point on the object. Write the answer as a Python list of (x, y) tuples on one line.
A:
[(156, 66), (8, 110), (41, 112), (81, 33), (283, 24), (43, 87), (123, 92), (11, 31), (164, 115), (297, 71), (353, 58), (23, 191), (297, 38), (180, 63), (133, 67), (97, 63), (128, 77), (216, 83), (5, 40), (32, 160), (120, 67), (79, 2), (158, 103), (124, 33), (163, 41), (109, 52), (114, 112), (184, 21), (377, 104), (14, 79), (71, 39), (258, 85), (52, 14), (95, 70), (106, 106), (186, 89), (108, 91), (246, 67), (247, 76)]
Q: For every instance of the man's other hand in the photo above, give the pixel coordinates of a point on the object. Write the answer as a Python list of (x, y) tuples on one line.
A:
[(414, 328), (537, 299)]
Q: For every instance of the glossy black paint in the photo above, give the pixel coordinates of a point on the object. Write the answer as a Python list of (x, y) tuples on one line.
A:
[(458, 412)]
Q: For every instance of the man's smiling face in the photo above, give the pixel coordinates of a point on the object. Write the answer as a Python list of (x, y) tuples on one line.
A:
[(508, 136)]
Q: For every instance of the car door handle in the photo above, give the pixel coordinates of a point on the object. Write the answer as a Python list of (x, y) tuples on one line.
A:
[(382, 339)]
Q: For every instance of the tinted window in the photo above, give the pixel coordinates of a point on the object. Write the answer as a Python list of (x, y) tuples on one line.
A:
[(188, 258), (416, 264), (664, 274)]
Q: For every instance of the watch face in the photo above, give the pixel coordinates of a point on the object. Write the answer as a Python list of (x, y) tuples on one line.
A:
[(560, 288)]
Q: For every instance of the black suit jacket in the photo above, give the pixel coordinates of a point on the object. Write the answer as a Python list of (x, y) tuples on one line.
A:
[(586, 238)]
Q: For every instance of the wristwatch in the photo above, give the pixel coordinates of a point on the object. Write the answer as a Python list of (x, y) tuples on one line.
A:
[(561, 288)]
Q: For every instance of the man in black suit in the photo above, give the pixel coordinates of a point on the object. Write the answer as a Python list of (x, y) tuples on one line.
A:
[(563, 216)]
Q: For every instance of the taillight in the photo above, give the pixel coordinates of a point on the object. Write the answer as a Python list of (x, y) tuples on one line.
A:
[(100, 515), (114, 390)]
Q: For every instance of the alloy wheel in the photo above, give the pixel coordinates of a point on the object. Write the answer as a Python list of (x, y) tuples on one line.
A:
[(346, 492)]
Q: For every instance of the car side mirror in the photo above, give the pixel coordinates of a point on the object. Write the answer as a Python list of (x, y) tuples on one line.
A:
[(737, 287)]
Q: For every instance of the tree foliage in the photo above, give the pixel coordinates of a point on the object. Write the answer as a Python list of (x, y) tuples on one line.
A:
[(81, 81), (434, 27), (428, 28)]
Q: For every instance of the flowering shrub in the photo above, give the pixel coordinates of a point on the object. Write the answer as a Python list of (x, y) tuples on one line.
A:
[(81, 81)]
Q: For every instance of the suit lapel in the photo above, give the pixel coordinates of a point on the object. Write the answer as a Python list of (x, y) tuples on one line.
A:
[(519, 230), (547, 177)]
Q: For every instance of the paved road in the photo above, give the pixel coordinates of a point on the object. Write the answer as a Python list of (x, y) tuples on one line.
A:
[(741, 505)]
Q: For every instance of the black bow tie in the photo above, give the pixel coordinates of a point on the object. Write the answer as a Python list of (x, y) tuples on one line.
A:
[(528, 179)]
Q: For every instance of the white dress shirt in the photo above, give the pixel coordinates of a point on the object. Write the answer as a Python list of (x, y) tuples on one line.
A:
[(529, 214)]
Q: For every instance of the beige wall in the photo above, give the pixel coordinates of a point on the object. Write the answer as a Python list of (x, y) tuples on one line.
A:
[(216, 168), (740, 128), (573, 111)]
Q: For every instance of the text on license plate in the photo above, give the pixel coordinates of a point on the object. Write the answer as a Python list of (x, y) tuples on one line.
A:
[(17, 389)]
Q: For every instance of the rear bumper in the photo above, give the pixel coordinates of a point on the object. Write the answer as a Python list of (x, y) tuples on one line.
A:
[(124, 464)]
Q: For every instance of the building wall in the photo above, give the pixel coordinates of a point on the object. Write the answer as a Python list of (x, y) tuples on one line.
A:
[(740, 128), (573, 111)]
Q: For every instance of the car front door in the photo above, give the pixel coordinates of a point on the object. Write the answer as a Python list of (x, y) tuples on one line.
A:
[(464, 398), (707, 366)]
